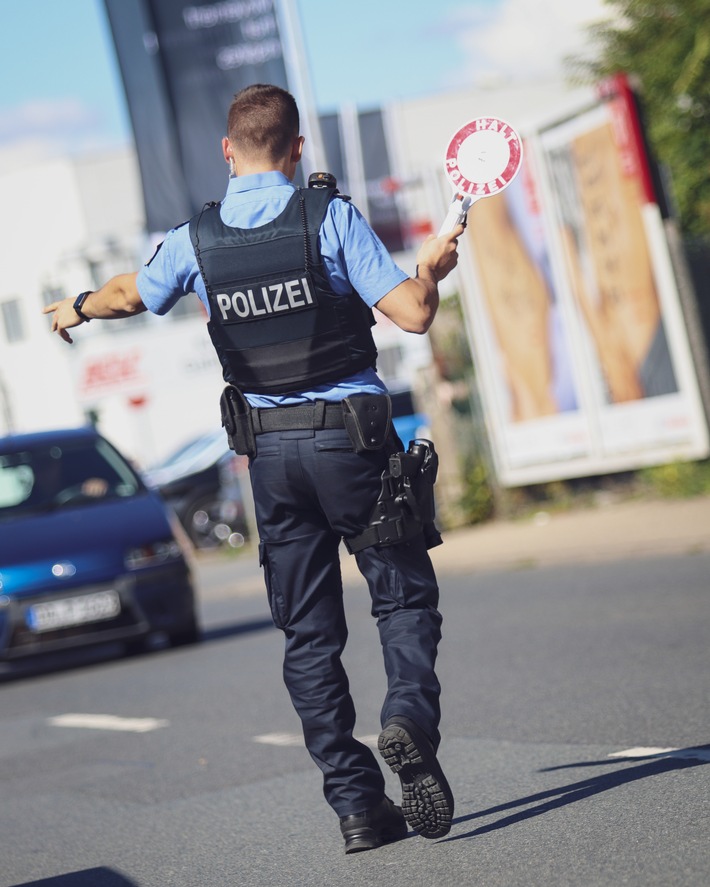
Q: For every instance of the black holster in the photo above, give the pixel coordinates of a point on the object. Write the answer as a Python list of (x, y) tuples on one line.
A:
[(236, 420), (405, 506)]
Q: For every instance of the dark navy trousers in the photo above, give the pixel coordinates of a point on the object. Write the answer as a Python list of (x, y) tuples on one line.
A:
[(310, 490)]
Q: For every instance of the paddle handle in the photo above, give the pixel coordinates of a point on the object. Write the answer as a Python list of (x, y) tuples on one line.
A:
[(456, 215)]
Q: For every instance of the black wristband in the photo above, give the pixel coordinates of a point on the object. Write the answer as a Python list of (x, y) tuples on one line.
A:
[(78, 302)]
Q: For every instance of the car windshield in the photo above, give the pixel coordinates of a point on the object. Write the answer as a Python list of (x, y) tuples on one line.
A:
[(196, 455), (48, 476)]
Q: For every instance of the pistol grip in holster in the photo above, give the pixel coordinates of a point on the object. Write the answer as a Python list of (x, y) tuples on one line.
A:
[(422, 477), (405, 506), (420, 468)]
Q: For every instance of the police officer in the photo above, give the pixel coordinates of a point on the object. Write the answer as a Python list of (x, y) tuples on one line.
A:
[(288, 277)]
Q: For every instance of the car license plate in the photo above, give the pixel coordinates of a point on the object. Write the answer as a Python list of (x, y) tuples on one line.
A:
[(64, 613)]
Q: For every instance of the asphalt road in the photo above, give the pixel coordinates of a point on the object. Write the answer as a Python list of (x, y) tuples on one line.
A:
[(576, 710)]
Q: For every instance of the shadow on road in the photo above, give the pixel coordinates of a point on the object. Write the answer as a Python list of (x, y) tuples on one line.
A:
[(554, 799), (96, 877)]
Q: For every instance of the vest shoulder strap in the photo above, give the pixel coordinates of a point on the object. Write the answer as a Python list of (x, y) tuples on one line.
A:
[(317, 201)]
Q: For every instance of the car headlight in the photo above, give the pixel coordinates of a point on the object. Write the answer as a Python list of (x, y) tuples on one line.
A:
[(152, 555)]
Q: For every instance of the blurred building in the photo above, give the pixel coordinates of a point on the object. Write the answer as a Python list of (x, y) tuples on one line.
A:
[(153, 383), (150, 383)]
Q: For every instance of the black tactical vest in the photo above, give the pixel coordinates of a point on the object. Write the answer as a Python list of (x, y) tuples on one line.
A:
[(275, 322)]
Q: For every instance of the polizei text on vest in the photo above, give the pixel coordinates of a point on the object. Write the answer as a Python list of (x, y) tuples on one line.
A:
[(257, 301)]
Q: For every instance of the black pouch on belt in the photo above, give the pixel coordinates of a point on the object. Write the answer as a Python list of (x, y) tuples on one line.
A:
[(236, 420), (368, 420)]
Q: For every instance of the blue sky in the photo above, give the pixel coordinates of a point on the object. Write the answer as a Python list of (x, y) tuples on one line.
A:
[(60, 87)]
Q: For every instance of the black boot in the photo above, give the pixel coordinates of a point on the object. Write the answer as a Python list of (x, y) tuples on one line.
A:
[(374, 827)]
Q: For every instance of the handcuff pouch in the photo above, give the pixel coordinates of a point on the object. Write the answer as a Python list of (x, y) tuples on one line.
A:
[(368, 420)]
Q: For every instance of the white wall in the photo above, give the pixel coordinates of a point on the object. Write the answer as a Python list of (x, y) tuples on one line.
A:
[(41, 223), (59, 216)]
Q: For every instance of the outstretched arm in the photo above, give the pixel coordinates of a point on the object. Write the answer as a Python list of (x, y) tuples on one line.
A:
[(413, 304), (117, 298)]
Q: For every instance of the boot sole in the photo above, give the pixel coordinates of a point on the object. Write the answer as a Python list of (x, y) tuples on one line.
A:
[(427, 801)]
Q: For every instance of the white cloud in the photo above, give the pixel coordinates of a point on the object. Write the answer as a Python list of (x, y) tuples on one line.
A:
[(37, 130), (523, 39), (67, 125)]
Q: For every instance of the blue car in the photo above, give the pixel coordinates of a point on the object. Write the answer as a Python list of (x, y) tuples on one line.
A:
[(88, 553)]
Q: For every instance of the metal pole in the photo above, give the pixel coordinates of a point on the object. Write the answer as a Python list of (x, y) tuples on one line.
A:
[(294, 50)]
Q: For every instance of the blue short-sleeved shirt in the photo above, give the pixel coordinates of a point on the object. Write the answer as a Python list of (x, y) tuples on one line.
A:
[(353, 255)]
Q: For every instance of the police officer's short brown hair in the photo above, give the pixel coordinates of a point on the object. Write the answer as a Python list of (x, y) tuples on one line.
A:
[(263, 121)]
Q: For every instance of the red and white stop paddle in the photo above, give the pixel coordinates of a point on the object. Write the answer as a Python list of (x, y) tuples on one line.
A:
[(482, 159)]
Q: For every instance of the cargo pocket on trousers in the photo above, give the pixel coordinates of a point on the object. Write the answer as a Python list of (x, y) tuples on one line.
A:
[(273, 592)]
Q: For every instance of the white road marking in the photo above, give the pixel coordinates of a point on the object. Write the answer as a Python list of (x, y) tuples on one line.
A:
[(284, 739), (295, 739), (694, 754), (108, 722)]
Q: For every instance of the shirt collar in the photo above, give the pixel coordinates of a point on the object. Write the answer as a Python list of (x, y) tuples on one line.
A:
[(257, 180)]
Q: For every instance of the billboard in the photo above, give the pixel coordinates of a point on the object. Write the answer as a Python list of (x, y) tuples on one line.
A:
[(573, 308)]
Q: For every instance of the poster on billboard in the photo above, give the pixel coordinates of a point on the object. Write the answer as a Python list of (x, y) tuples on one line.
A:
[(573, 309), (522, 340)]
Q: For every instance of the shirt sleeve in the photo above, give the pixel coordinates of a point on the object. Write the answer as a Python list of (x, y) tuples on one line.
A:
[(170, 274), (354, 256)]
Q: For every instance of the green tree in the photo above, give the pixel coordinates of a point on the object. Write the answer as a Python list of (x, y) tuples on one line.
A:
[(665, 47)]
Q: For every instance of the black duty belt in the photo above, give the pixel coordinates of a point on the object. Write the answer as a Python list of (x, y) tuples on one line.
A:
[(302, 416)]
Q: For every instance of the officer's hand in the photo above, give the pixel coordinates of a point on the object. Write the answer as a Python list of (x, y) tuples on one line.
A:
[(439, 254), (64, 317)]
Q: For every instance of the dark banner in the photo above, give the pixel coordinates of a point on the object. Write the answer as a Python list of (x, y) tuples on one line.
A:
[(164, 189), (181, 64)]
